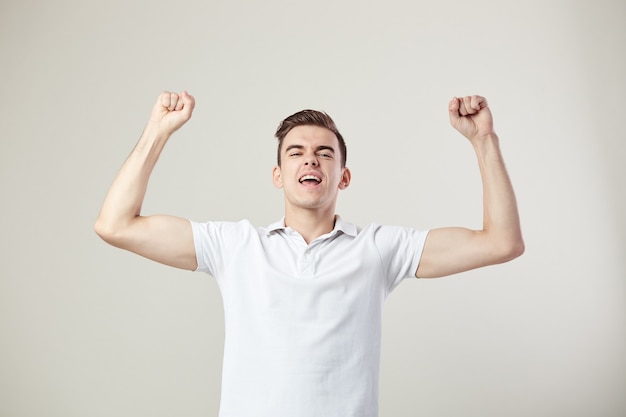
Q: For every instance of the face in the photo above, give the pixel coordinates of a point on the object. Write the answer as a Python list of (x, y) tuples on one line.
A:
[(310, 173)]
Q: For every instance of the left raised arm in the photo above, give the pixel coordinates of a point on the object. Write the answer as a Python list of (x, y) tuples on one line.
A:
[(454, 249)]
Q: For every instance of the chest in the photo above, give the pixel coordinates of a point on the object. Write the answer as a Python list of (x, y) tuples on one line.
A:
[(288, 278)]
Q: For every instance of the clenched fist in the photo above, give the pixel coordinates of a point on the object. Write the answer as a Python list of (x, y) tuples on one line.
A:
[(471, 116), (172, 110)]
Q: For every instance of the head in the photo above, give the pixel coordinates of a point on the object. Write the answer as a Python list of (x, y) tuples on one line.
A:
[(311, 161), (309, 118)]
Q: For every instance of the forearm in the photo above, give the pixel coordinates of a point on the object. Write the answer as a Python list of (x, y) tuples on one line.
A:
[(124, 199), (501, 224)]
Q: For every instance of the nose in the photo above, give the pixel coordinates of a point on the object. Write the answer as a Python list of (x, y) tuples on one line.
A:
[(311, 160)]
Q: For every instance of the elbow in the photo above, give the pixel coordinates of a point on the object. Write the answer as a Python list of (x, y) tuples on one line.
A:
[(102, 229), (521, 247), (106, 231), (511, 249)]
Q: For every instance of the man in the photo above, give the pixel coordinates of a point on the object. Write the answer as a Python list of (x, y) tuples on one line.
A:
[(303, 297)]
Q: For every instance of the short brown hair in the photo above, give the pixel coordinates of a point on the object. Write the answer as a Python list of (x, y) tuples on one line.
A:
[(309, 118)]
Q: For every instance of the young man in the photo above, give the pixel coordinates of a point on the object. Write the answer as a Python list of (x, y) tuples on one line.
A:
[(303, 297)]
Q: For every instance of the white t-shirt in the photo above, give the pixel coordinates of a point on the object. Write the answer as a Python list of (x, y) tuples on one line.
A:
[(303, 321)]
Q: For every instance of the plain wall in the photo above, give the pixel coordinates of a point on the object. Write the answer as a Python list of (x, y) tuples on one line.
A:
[(89, 330)]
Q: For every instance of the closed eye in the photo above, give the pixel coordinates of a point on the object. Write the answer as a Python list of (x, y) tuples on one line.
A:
[(325, 152)]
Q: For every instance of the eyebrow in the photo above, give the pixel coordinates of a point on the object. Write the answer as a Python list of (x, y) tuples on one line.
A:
[(319, 148)]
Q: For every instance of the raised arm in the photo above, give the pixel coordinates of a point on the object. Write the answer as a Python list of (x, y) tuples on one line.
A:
[(451, 250), (165, 239)]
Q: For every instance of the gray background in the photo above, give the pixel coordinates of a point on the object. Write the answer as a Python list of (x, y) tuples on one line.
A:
[(89, 330)]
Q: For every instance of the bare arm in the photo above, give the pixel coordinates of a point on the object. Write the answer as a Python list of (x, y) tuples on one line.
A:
[(451, 250), (165, 239)]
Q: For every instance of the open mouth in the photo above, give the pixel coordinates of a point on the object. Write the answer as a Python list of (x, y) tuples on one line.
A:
[(310, 179)]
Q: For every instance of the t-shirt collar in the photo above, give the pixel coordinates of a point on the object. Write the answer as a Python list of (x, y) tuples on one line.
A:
[(340, 226)]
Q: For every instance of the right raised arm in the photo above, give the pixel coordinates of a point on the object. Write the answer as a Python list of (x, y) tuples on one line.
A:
[(165, 239)]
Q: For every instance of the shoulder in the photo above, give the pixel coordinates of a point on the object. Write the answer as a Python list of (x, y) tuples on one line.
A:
[(225, 229), (385, 231), (390, 239)]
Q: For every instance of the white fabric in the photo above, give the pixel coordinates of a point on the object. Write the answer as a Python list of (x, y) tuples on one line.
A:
[(303, 321)]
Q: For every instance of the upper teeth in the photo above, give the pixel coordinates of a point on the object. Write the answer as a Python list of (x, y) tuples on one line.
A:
[(310, 177)]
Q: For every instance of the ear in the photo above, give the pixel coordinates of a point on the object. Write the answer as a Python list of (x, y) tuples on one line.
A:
[(276, 177), (345, 179)]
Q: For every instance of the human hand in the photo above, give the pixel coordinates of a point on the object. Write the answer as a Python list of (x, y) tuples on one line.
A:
[(172, 110), (471, 116)]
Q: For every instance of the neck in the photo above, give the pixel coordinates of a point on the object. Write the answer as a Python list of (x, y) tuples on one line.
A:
[(311, 224)]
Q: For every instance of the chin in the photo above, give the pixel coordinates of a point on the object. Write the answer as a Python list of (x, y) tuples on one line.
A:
[(306, 203)]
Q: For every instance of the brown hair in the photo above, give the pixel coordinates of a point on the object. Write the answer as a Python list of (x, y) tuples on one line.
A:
[(310, 118)]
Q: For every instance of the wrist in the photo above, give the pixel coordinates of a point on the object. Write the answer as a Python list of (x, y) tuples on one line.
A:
[(484, 139), (156, 131), (153, 137), (486, 144)]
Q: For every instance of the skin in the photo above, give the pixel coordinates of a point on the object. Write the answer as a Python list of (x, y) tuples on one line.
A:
[(310, 206), (452, 250), (165, 239)]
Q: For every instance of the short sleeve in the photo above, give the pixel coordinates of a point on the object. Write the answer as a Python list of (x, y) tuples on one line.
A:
[(214, 241), (400, 249)]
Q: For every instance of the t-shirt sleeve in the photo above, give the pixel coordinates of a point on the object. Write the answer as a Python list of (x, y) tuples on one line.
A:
[(213, 242), (401, 250)]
